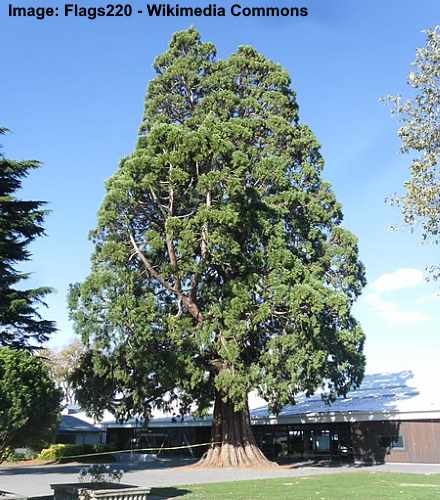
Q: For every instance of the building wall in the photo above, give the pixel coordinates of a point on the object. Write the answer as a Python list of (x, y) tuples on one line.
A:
[(161, 438), (301, 441), (405, 441), (416, 441), (74, 437), (89, 438)]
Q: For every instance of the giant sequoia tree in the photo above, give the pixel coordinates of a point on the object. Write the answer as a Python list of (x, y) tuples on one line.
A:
[(220, 265), (21, 221)]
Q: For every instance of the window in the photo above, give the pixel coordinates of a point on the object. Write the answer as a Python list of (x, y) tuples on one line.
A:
[(395, 442), (320, 440)]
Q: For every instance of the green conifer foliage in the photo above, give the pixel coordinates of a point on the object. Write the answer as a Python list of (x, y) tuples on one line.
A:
[(21, 325), (221, 266)]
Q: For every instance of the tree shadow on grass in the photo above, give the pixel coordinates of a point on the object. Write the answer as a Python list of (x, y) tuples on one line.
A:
[(164, 493)]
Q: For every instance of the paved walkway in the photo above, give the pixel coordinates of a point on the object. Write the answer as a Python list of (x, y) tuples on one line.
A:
[(36, 480)]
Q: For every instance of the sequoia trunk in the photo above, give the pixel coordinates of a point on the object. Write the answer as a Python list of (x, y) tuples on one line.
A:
[(233, 442)]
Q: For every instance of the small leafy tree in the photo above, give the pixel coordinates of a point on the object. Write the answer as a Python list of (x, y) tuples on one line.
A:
[(21, 325), (29, 401), (220, 263), (62, 363), (420, 134)]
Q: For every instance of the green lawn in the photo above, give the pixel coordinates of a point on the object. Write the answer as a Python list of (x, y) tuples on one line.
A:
[(343, 486)]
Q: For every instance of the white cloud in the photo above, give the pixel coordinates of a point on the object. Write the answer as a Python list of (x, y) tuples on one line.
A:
[(428, 299), (402, 278), (393, 313)]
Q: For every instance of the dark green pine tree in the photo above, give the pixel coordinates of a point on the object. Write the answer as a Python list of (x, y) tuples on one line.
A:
[(220, 263), (21, 325)]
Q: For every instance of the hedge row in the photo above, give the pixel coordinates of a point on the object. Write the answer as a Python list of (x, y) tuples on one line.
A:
[(59, 451)]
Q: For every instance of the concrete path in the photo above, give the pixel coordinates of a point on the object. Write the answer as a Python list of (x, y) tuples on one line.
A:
[(36, 480)]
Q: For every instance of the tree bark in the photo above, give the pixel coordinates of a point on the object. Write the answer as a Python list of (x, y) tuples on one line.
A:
[(233, 442)]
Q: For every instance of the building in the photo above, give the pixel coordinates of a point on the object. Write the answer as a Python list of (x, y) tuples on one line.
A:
[(76, 428), (392, 417)]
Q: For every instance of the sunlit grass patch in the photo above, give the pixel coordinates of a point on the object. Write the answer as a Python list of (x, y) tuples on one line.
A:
[(341, 486)]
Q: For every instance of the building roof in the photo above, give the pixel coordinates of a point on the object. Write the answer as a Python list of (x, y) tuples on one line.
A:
[(381, 396), (73, 423)]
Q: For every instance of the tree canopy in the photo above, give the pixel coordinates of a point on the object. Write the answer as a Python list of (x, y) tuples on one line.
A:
[(21, 221), (61, 364), (220, 262), (29, 401), (420, 136)]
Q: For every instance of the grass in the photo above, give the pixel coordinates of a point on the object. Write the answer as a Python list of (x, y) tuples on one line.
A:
[(342, 486)]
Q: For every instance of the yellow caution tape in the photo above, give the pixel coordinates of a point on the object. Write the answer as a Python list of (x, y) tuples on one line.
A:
[(136, 450)]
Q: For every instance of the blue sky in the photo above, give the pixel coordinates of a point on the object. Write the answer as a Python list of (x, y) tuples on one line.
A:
[(72, 92)]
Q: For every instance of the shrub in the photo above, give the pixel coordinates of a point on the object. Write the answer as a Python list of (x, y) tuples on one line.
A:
[(64, 451), (57, 451), (23, 454), (7, 455)]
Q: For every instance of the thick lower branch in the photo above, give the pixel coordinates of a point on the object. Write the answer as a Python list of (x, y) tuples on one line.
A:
[(190, 305)]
